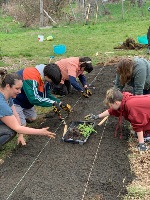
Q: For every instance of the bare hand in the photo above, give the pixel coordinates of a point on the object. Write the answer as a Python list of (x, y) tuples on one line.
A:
[(21, 140), (48, 133)]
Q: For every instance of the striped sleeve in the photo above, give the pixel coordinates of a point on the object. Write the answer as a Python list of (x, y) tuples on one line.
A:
[(31, 90)]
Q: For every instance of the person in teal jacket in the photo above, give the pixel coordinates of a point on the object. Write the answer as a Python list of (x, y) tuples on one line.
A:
[(136, 73), (36, 91)]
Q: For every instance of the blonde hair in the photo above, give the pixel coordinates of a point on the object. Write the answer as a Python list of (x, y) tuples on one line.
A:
[(113, 95)]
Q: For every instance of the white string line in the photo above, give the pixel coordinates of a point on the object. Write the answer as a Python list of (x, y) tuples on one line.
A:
[(11, 193), (95, 157)]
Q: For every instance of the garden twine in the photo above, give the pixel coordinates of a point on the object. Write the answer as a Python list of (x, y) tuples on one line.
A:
[(86, 185)]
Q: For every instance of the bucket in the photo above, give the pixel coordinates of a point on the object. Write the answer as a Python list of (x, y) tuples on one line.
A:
[(40, 38), (142, 39), (59, 49)]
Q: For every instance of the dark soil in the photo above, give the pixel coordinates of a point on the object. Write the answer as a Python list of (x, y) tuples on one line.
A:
[(56, 170), (130, 44)]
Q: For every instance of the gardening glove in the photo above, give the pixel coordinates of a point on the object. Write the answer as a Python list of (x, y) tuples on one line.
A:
[(91, 116), (56, 108), (88, 92), (94, 116), (66, 107), (84, 94)]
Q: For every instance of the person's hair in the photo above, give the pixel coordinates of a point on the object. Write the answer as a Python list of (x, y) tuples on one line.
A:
[(53, 72), (6, 78), (125, 70), (86, 62), (113, 95)]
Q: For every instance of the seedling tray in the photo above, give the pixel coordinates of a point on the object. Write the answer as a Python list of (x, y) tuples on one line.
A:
[(73, 140)]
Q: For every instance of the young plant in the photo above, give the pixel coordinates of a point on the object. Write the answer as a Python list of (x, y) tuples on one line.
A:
[(86, 129)]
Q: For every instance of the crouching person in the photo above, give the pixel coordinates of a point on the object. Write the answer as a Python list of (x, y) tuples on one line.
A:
[(134, 109), (10, 87)]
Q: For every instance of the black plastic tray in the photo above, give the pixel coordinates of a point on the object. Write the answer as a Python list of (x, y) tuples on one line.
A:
[(75, 124)]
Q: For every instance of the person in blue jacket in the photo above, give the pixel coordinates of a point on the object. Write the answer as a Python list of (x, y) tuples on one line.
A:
[(10, 125)]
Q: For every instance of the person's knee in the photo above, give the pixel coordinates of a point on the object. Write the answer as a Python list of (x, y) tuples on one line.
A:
[(6, 134), (31, 119)]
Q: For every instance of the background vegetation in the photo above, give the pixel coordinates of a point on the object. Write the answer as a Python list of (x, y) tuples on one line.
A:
[(95, 37)]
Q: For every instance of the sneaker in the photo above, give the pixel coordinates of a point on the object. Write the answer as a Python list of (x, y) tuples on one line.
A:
[(142, 147), (146, 136)]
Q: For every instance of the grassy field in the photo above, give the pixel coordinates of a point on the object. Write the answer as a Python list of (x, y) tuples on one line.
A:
[(19, 47)]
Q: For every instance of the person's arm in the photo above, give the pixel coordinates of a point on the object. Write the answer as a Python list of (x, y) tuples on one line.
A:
[(31, 90), (16, 114), (117, 83), (20, 135), (75, 84), (103, 114), (12, 123), (49, 95), (82, 80)]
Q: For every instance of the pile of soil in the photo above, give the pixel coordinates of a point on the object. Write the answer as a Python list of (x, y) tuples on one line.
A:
[(130, 44), (55, 170)]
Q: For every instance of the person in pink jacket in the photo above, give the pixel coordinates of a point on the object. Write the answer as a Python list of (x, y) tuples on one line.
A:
[(134, 108), (71, 69)]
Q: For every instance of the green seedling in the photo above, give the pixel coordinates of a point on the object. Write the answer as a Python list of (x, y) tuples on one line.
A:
[(86, 129)]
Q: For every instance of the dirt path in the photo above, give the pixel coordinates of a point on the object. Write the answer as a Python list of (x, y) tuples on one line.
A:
[(55, 170)]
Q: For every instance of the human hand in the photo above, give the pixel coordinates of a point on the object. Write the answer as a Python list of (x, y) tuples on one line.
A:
[(56, 108), (21, 140), (66, 107), (88, 92), (84, 94), (91, 116), (47, 133)]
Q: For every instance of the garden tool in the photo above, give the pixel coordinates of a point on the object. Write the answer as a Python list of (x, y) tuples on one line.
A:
[(65, 128), (102, 121)]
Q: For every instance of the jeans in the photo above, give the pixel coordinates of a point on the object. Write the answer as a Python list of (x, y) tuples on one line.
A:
[(6, 134)]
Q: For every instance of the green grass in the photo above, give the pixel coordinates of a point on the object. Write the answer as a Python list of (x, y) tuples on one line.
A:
[(17, 43)]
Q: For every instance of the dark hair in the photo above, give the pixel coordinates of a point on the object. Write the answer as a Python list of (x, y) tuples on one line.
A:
[(113, 95), (86, 62), (8, 78), (53, 72)]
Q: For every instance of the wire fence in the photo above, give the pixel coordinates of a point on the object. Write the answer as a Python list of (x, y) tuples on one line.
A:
[(95, 11)]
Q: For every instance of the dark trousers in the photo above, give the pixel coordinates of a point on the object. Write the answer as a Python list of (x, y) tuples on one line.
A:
[(61, 89), (148, 37), (6, 134), (146, 91)]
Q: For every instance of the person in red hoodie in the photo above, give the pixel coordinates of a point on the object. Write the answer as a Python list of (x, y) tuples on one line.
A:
[(134, 108)]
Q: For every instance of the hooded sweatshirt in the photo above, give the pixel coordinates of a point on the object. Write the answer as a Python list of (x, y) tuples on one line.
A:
[(136, 110)]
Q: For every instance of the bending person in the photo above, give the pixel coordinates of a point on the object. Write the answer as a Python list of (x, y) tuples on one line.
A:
[(134, 109), (36, 91), (10, 87), (71, 69), (136, 73)]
